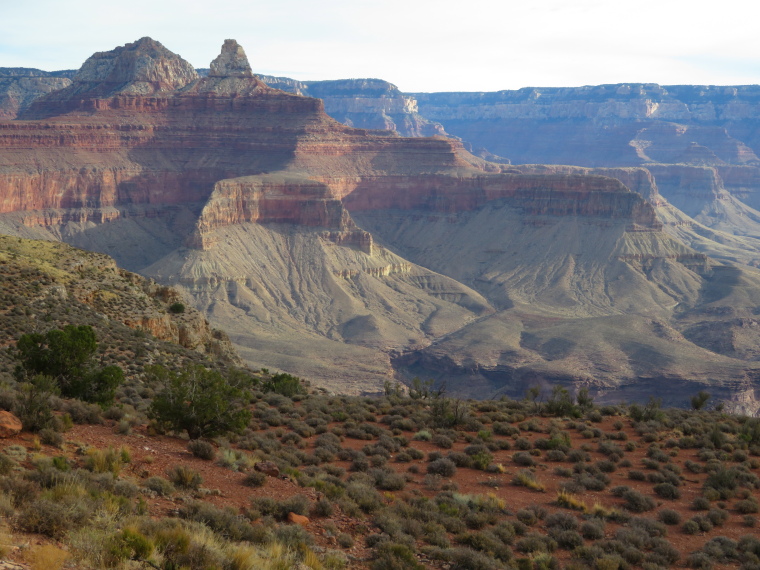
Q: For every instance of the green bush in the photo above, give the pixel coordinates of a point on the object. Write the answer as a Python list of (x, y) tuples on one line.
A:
[(67, 356), (284, 384), (177, 308), (198, 400)]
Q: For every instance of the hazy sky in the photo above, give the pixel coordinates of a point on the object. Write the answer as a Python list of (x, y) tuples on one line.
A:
[(420, 45)]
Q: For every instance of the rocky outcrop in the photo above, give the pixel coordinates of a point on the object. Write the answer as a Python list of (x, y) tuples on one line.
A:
[(270, 199), (231, 62), (144, 67), (20, 87), (554, 195), (364, 103), (10, 425)]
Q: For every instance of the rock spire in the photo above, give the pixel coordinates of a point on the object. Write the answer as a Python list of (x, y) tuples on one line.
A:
[(232, 62)]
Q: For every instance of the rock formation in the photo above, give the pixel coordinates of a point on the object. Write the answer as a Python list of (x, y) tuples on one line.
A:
[(364, 103), (141, 68), (339, 253), (20, 87)]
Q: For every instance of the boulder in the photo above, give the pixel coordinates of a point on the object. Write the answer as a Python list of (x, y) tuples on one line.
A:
[(298, 519), (10, 425), (268, 468)]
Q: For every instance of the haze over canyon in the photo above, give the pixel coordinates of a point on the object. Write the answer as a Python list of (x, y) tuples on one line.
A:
[(604, 236)]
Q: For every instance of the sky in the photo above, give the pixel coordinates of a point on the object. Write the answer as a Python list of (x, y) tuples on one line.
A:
[(419, 45)]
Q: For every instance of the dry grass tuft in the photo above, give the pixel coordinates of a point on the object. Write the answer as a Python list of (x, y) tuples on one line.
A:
[(46, 557)]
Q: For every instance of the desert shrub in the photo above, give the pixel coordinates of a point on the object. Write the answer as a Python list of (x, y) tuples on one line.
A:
[(524, 459), (53, 519), (159, 485), (527, 517), (648, 526), (51, 437), (747, 506), (33, 405), (185, 477), (395, 556), (593, 529), (669, 516), (523, 443), (667, 491), (534, 543), (323, 508), (202, 449), (414, 453), (443, 467), (724, 481), (365, 497), (388, 480), (563, 471), (699, 560), (442, 441), (717, 516), (501, 428), (704, 523), (254, 479), (177, 308), (591, 481), (284, 384), (107, 461), (637, 502), (125, 488), (525, 478), (222, 521), (568, 500), (360, 463), (578, 455), (555, 455), (561, 521), (700, 504), (482, 460), (423, 435), (568, 539), (460, 459)]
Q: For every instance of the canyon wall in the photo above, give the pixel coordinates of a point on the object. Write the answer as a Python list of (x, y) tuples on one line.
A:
[(353, 256), (605, 125)]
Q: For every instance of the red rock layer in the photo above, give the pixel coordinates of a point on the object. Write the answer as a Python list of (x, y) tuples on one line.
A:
[(558, 195), (214, 141)]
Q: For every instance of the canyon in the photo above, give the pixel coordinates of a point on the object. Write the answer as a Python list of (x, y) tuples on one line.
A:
[(354, 256)]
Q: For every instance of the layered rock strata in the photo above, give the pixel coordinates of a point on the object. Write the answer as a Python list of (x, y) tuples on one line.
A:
[(248, 198)]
